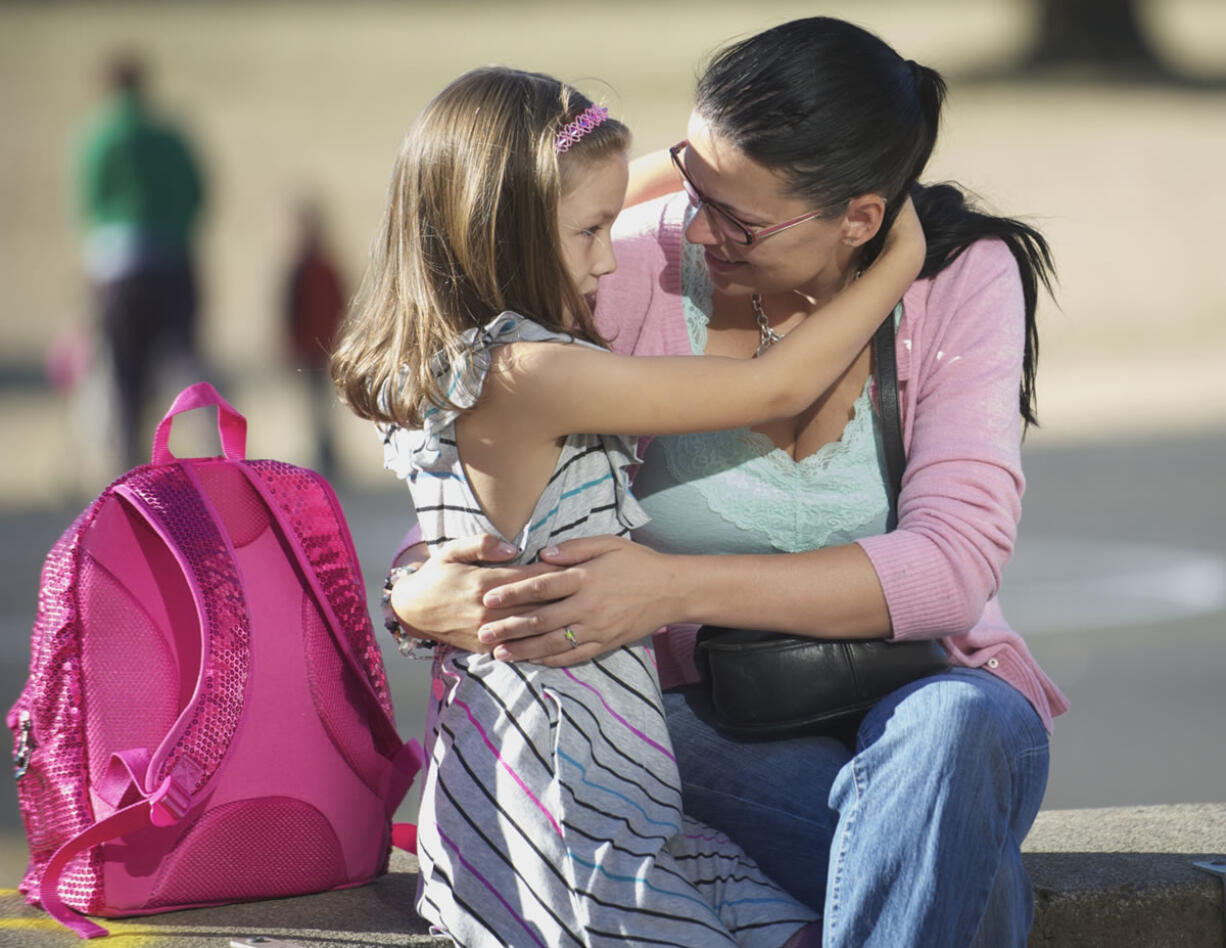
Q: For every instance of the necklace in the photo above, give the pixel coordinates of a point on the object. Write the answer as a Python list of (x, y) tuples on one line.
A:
[(768, 336)]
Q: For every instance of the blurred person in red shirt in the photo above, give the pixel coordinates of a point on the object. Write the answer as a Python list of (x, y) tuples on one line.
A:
[(314, 304)]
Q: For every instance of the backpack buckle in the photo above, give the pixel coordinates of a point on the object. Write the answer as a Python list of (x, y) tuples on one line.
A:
[(169, 803), (25, 744)]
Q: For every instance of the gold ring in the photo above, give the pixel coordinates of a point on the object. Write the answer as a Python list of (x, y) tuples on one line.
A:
[(570, 637)]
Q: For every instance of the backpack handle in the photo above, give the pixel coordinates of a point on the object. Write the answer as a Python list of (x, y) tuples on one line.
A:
[(231, 426)]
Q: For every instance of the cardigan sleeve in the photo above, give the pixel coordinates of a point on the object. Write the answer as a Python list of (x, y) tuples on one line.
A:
[(638, 305), (961, 493)]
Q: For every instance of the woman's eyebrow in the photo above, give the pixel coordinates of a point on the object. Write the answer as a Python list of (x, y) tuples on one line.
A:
[(748, 217)]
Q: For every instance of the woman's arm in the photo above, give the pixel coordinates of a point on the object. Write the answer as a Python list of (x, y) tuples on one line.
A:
[(616, 591), (442, 599), (651, 176), (932, 576)]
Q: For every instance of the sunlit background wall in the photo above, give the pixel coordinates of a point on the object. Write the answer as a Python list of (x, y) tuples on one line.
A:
[(284, 101)]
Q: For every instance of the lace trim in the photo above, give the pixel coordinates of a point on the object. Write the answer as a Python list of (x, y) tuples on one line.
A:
[(696, 294), (835, 495)]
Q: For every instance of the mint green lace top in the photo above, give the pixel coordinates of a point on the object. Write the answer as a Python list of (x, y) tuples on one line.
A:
[(733, 491)]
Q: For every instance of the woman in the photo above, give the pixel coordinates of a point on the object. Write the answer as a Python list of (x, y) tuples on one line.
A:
[(802, 143)]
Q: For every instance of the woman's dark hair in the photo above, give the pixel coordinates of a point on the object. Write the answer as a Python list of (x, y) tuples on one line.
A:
[(841, 114)]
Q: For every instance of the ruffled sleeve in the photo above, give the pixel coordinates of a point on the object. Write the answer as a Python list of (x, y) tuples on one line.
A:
[(408, 450), (624, 460)]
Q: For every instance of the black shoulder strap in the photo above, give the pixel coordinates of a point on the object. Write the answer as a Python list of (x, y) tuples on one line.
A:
[(885, 371)]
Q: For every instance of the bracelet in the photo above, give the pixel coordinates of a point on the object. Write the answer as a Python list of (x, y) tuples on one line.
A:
[(407, 644)]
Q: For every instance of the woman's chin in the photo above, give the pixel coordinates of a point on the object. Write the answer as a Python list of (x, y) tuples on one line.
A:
[(730, 279)]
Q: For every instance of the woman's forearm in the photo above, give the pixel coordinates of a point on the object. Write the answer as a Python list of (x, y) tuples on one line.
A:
[(651, 176), (613, 591), (828, 593)]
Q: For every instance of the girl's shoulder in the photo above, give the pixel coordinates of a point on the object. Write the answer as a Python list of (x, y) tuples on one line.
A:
[(461, 373)]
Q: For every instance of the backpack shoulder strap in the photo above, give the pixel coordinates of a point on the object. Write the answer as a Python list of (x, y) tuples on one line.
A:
[(311, 518), (172, 501)]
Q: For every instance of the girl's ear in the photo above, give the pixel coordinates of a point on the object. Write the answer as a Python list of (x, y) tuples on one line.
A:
[(863, 219)]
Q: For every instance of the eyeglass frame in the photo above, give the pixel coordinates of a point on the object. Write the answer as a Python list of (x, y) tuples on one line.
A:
[(699, 200)]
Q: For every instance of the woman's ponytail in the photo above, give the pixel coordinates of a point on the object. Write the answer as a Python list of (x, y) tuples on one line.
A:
[(951, 225)]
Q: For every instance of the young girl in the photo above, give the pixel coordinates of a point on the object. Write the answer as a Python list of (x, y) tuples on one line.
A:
[(551, 812)]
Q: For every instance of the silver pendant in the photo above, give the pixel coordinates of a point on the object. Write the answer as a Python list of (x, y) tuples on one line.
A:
[(767, 335)]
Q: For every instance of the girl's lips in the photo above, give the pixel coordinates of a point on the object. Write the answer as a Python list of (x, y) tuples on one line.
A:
[(720, 265)]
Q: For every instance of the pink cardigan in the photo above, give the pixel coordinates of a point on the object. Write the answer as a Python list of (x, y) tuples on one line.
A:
[(959, 352)]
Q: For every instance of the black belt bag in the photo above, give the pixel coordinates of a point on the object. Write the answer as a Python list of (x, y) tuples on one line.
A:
[(768, 685)]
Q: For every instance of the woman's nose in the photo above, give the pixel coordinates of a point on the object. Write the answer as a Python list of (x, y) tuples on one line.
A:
[(699, 229)]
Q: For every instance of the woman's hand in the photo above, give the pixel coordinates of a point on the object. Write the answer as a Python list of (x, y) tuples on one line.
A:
[(443, 599), (612, 592)]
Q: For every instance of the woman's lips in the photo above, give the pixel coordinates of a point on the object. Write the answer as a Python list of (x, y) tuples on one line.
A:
[(719, 265)]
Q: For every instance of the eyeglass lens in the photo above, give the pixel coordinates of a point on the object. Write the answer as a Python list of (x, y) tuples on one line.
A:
[(732, 228)]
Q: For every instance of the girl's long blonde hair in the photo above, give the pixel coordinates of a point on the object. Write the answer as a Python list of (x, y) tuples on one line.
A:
[(470, 230)]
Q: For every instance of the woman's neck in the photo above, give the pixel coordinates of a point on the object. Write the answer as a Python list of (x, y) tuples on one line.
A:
[(815, 294)]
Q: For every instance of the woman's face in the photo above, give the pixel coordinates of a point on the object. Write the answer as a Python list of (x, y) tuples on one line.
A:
[(810, 257)]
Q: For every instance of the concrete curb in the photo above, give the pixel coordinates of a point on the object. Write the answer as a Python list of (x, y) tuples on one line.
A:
[(1104, 878)]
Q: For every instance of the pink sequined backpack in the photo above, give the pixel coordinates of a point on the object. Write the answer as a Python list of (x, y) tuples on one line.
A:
[(207, 718)]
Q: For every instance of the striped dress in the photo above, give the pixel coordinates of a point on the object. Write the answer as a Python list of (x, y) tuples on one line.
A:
[(551, 813)]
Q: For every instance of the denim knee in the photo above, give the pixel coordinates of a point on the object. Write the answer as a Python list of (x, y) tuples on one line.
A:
[(971, 726)]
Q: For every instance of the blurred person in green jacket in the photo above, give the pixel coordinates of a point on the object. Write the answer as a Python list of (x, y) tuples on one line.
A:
[(141, 192)]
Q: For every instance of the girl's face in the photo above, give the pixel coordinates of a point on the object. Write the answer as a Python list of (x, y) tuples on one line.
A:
[(586, 213), (810, 257)]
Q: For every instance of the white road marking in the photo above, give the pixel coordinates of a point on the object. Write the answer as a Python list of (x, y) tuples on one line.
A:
[(1056, 586)]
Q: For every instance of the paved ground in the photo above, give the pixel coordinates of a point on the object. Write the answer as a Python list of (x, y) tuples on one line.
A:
[(1119, 584), (378, 915)]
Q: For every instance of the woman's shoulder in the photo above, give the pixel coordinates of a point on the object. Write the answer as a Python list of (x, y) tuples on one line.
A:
[(659, 221), (982, 281), (646, 286)]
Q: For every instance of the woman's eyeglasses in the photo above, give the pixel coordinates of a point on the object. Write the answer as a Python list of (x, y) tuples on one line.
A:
[(735, 230)]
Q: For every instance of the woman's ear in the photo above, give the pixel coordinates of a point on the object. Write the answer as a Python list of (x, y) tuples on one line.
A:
[(863, 219)]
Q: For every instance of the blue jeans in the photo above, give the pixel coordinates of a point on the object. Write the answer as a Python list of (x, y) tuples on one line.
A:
[(912, 840)]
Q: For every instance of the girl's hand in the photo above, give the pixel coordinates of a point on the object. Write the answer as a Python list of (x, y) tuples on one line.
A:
[(443, 599), (905, 238), (612, 592)]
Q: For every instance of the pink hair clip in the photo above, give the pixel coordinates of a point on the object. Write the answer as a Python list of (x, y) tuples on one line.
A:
[(584, 123)]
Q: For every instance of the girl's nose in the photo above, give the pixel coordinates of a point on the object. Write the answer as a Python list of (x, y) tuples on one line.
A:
[(606, 260)]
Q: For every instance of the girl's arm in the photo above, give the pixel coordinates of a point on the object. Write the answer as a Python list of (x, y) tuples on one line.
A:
[(438, 601), (552, 390)]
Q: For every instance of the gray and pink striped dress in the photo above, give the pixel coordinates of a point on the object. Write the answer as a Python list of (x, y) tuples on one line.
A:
[(551, 813)]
